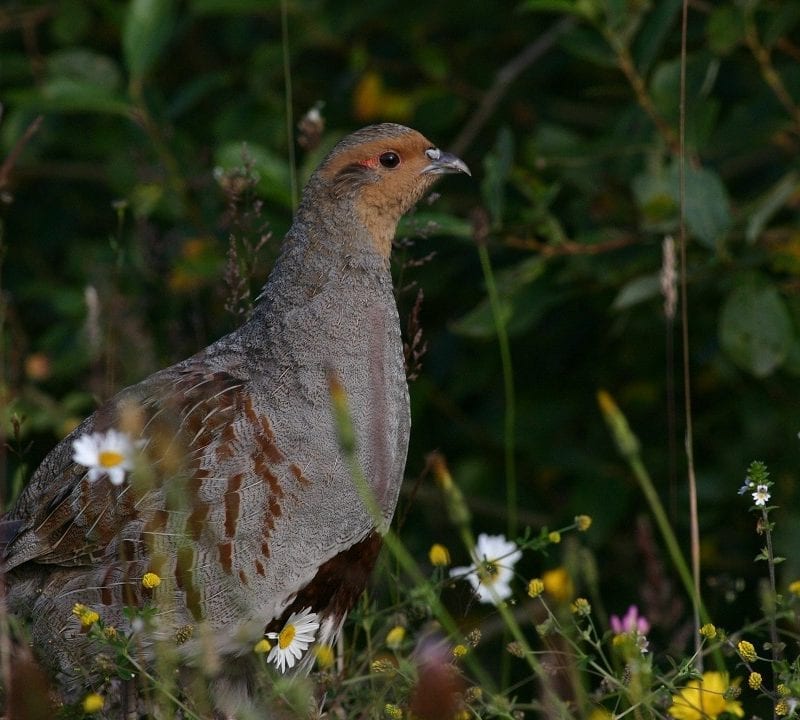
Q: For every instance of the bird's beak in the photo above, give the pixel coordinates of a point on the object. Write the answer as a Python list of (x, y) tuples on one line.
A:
[(444, 162)]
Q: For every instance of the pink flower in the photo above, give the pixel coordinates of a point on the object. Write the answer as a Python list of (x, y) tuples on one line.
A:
[(631, 623)]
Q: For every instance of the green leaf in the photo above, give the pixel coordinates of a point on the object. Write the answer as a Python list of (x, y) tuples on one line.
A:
[(725, 29), (71, 96), (77, 80), (71, 22), (780, 22), (147, 29), (755, 329), (708, 212), (587, 44), (655, 197), (81, 65), (665, 84), (769, 203), (656, 29), (497, 167), (644, 287)]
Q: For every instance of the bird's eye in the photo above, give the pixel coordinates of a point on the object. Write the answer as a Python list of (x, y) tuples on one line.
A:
[(389, 160)]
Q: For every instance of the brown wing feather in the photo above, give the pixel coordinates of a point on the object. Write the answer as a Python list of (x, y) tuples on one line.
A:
[(63, 518)]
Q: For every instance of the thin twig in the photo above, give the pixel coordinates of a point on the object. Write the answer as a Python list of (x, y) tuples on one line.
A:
[(570, 247), (639, 86), (503, 80), (11, 160), (768, 72)]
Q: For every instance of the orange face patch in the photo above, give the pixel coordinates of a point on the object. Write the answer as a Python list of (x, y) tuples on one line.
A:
[(408, 146)]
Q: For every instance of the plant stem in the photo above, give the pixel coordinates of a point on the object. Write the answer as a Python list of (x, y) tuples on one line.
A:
[(508, 385), (639, 87), (771, 610), (694, 521), (628, 446), (768, 72), (287, 80)]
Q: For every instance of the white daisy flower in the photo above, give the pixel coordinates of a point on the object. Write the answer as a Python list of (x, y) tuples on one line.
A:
[(298, 633), (490, 574), (110, 453), (761, 496)]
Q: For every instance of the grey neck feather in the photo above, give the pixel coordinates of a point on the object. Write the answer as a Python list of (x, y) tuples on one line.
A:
[(311, 264)]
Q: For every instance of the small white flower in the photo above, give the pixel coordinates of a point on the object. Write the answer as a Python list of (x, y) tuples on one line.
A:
[(109, 453), (298, 633), (761, 496), (493, 567)]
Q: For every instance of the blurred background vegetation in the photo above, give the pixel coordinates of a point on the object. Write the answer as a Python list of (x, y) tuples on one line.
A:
[(123, 125)]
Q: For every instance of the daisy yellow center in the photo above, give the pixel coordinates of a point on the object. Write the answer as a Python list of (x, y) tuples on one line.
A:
[(286, 637), (110, 458), (488, 572)]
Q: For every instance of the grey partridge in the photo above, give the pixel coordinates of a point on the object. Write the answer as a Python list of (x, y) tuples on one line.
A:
[(243, 503)]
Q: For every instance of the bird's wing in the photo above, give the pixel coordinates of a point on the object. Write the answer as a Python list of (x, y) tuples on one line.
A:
[(64, 518)]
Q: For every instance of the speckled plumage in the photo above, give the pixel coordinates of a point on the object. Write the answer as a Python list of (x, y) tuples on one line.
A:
[(245, 508)]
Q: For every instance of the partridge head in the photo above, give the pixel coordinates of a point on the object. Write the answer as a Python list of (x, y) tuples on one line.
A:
[(240, 499)]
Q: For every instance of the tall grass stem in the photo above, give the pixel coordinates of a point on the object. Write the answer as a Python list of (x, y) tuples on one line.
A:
[(510, 421)]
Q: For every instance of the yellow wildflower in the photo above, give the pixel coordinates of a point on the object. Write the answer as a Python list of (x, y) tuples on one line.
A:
[(460, 650), (704, 699), (600, 713), (93, 703), (782, 690), (746, 651), (262, 646), (754, 681), (794, 588), (708, 631), (439, 555), (558, 584), (516, 649), (183, 634), (554, 537), (781, 708), (86, 615), (324, 656), (151, 580), (535, 587), (584, 522), (110, 632), (581, 607), (473, 694), (395, 637), (393, 711), (381, 665)]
